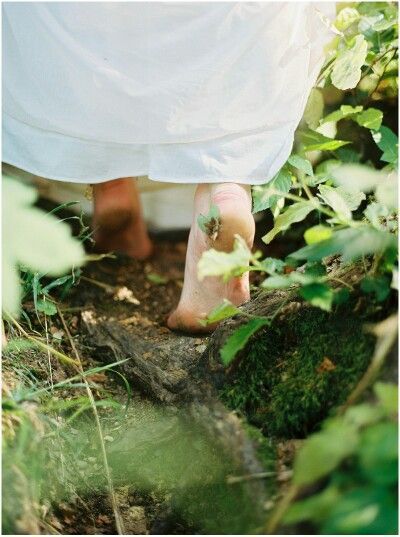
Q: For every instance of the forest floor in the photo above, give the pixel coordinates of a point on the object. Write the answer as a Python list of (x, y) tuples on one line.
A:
[(68, 493)]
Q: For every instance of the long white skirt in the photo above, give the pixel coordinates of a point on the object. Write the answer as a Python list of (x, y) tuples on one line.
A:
[(181, 92)]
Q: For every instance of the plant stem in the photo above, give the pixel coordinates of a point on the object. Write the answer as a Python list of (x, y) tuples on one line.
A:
[(118, 519)]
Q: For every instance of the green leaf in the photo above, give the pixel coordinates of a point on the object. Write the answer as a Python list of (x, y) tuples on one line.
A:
[(350, 243), (271, 265), (318, 294), (370, 119), (265, 196), (340, 200), (46, 307), (317, 234), (314, 108), (346, 17), (210, 223), (219, 313), (227, 265), (344, 111), (31, 238), (346, 71), (379, 286), (301, 164), (294, 213), (323, 452), (279, 281), (315, 141), (240, 337), (156, 278), (388, 142)]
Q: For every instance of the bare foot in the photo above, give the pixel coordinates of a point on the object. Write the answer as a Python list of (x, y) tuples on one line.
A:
[(118, 220), (199, 298)]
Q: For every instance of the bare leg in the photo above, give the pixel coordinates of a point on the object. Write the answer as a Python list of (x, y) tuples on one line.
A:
[(118, 220), (199, 298)]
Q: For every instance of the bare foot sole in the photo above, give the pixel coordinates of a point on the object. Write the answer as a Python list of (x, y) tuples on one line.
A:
[(199, 298), (118, 221)]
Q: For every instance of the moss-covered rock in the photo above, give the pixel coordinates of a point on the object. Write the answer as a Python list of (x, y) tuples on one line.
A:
[(292, 373)]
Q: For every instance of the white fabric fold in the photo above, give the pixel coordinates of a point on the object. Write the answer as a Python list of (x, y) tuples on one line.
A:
[(181, 92)]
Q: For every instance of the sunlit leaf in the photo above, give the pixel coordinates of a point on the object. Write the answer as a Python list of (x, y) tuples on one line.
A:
[(226, 265), (314, 108), (344, 111), (301, 164), (317, 234), (370, 119), (346, 72), (33, 239), (294, 213), (264, 196), (315, 141)]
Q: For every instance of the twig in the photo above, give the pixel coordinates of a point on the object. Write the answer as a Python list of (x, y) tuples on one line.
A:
[(118, 520), (276, 518), (61, 356), (232, 479), (387, 334)]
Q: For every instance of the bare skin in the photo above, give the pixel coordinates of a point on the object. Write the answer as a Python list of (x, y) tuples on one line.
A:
[(120, 227), (199, 298), (118, 220)]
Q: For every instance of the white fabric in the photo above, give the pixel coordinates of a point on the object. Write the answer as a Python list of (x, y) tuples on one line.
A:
[(181, 92)]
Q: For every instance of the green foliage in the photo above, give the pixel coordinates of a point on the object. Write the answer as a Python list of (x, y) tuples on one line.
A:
[(357, 453), (33, 240), (223, 311)]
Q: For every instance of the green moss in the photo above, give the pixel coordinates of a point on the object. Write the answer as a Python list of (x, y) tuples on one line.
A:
[(294, 372)]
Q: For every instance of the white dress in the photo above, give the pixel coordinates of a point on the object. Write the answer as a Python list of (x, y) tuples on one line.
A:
[(178, 91)]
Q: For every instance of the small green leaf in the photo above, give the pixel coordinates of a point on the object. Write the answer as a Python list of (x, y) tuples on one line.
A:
[(370, 119), (388, 142), (265, 196), (228, 265), (323, 452), (318, 294), (219, 313), (294, 213), (157, 279), (210, 223), (315, 141), (301, 164), (344, 111), (271, 265), (279, 281), (346, 71), (341, 201), (346, 17), (317, 234), (46, 307), (240, 337), (314, 108)]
